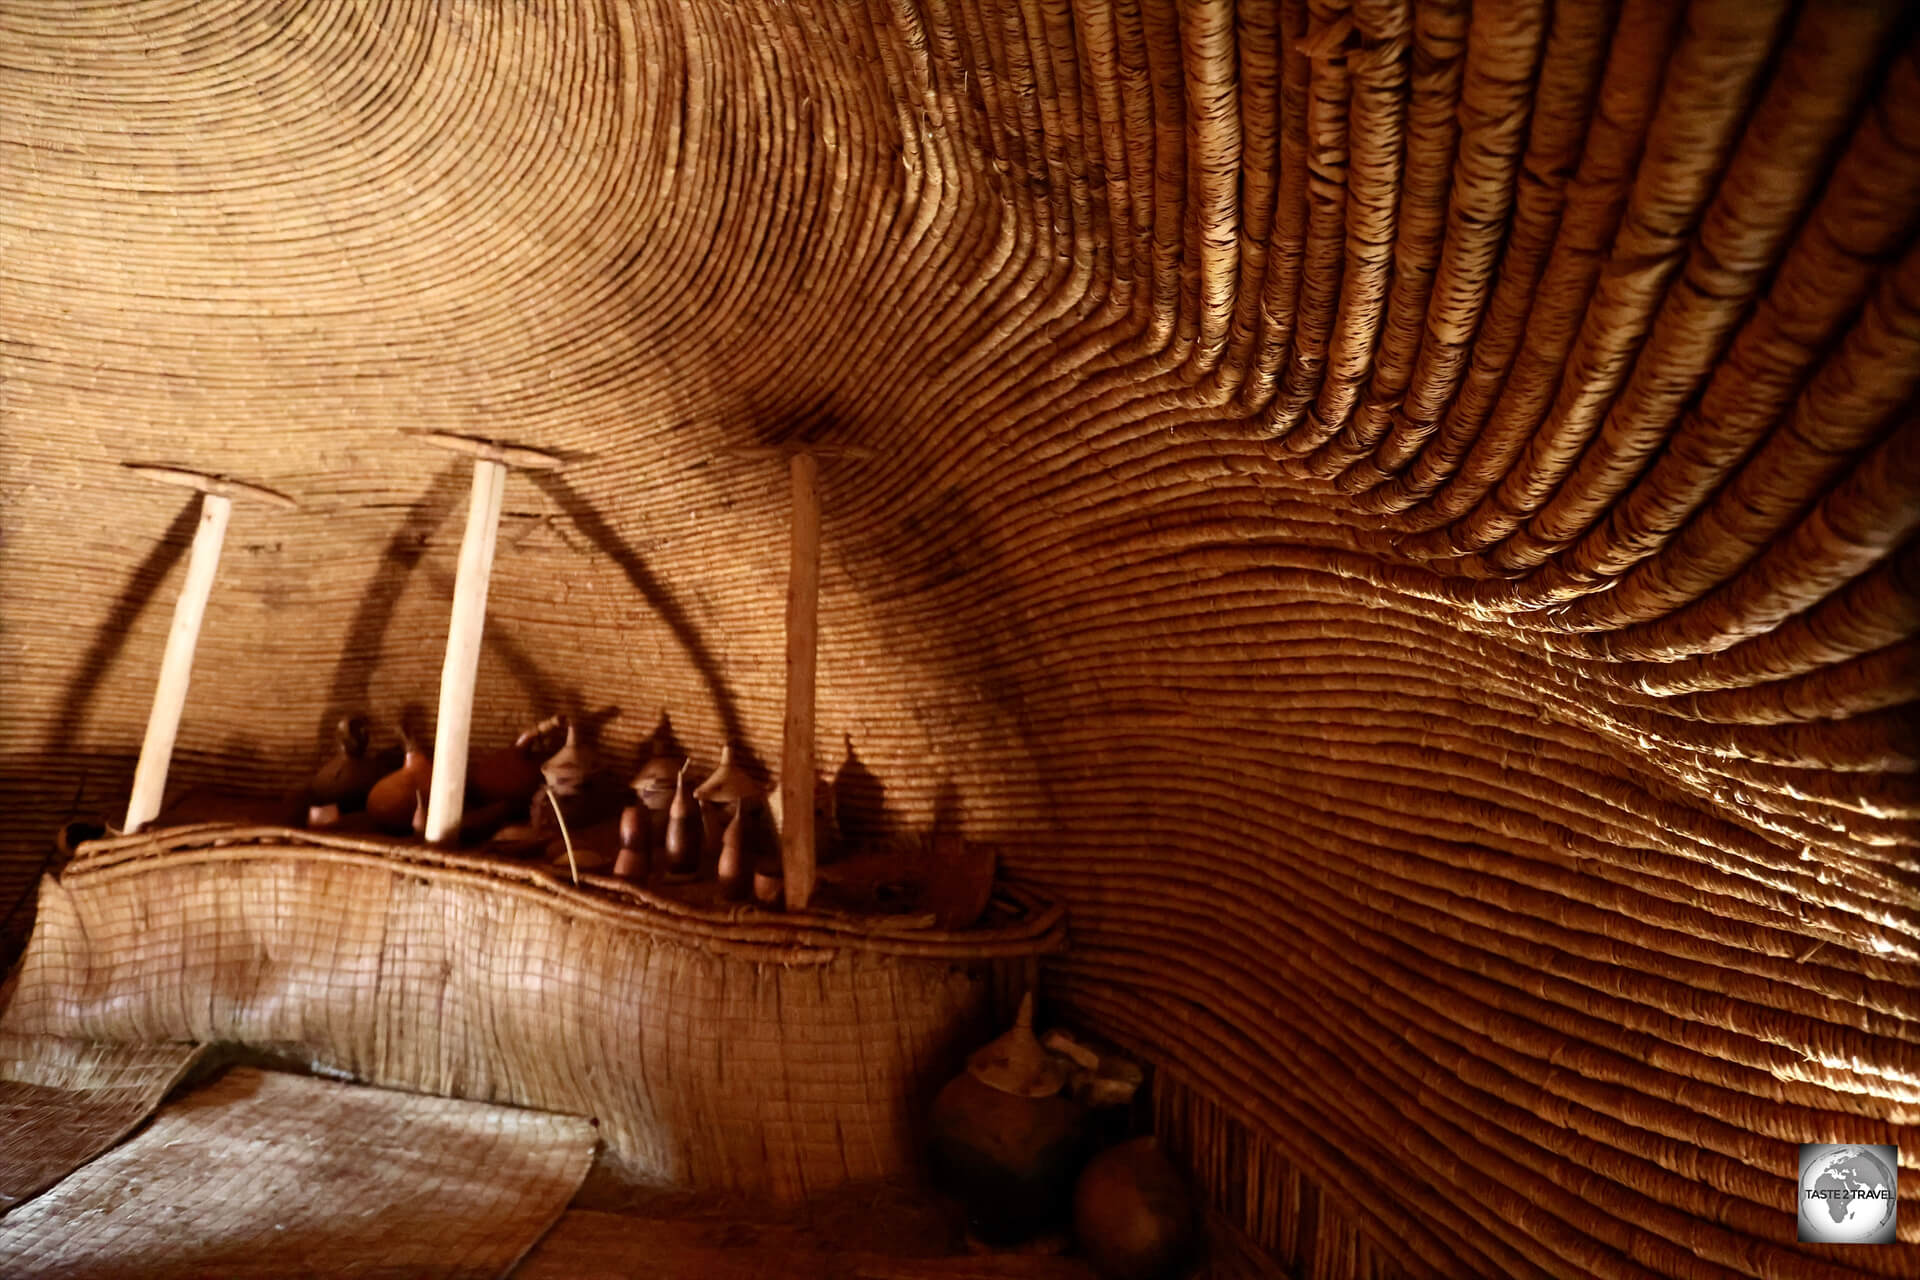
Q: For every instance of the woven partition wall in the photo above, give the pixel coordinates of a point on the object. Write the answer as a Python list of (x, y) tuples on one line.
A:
[(1402, 516)]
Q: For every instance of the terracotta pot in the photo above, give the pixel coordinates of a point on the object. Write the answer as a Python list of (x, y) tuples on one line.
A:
[(1132, 1213), (1006, 1140)]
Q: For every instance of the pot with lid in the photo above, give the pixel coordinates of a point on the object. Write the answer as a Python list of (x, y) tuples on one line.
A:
[(1007, 1139)]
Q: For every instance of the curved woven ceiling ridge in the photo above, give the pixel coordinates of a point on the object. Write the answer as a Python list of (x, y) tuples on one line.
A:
[(1402, 514)]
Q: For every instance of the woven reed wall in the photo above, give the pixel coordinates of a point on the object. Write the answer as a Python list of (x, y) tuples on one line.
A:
[(1403, 517)]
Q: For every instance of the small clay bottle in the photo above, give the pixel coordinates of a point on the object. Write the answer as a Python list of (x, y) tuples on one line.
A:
[(1007, 1139), (636, 844), (733, 873), (684, 832)]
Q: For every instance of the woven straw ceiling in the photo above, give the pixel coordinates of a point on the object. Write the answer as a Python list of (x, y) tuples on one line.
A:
[(1402, 516)]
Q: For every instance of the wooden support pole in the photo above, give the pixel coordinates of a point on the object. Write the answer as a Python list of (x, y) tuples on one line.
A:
[(803, 618), (446, 798), (176, 667)]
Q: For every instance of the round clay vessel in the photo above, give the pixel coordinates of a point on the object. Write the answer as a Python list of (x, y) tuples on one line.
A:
[(1132, 1213), (1006, 1140)]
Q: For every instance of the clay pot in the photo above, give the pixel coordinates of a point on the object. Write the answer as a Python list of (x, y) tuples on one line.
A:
[(1132, 1213), (1006, 1140)]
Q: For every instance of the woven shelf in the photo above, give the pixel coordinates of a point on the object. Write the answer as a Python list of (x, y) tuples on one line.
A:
[(727, 1049)]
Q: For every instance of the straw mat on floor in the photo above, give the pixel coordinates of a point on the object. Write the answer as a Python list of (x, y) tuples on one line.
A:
[(264, 1174), (63, 1102)]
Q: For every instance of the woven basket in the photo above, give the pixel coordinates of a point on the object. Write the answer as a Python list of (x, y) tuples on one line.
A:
[(731, 1050)]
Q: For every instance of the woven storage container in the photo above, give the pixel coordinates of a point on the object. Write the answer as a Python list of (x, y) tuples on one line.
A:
[(718, 1050)]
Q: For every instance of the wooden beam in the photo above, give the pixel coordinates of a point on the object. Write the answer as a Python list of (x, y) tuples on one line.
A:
[(176, 666), (797, 854), (512, 455), (821, 451), (459, 670), (222, 485)]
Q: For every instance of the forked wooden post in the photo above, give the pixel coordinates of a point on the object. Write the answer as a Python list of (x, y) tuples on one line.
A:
[(798, 860), (189, 611), (797, 854), (446, 795)]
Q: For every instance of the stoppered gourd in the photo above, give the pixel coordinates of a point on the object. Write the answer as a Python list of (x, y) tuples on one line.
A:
[(684, 828), (511, 775), (659, 773), (392, 800), (733, 873), (720, 797), (341, 784), (566, 770), (728, 784)]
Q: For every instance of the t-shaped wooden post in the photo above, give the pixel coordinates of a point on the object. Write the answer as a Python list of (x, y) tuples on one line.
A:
[(176, 666), (446, 796), (798, 856)]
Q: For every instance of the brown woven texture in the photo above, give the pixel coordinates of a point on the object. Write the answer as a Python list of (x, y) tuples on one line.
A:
[(722, 1049), (263, 1174), (63, 1102), (1401, 515), (586, 1243)]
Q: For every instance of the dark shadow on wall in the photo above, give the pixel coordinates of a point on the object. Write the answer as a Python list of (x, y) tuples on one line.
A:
[(541, 691), (860, 799), (97, 774), (111, 637), (360, 648), (603, 536), (405, 553)]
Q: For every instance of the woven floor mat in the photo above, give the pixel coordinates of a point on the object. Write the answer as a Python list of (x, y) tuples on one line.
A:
[(63, 1102), (267, 1174)]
